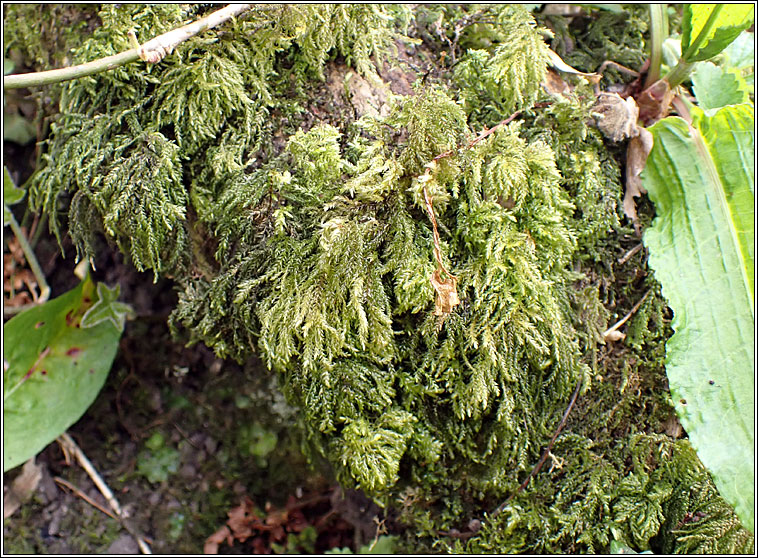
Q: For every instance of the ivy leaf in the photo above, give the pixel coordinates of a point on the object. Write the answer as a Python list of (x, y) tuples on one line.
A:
[(709, 28), (11, 194), (107, 307), (701, 179)]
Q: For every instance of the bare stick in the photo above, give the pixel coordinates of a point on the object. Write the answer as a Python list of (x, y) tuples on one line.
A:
[(84, 497), (68, 444), (629, 254), (152, 52), (623, 320)]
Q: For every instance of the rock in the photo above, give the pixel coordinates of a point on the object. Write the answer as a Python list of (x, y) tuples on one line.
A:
[(124, 544)]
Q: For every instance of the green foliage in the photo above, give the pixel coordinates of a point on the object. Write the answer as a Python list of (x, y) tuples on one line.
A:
[(157, 461), (701, 179), (130, 145), (716, 87), (314, 248), (58, 355), (605, 35), (496, 84), (708, 29), (12, 194), (384, 544)]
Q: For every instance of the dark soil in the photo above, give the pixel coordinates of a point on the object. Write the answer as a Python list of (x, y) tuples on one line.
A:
[(181, 438)]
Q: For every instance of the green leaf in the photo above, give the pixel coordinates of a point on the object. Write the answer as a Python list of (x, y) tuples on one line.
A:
[(107, 308), (701, 243), (18, 129), (741, 53), (707, 29), (11, 194), (54, 369), (716, 87), (8, 66)]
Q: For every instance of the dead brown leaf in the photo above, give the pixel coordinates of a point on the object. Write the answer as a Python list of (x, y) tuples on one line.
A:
[(555, 85), (22, 488), (616, 117), (636, 157), (447, 293), (654, 102), (212, 542)]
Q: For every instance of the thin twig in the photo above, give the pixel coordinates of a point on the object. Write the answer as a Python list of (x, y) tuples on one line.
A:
[(68, 443), (152, 52), (84, 497), (545, 453), (625, 258), (623, 320)]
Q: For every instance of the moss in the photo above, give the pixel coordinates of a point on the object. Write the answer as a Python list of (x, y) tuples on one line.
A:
[(315, 251)]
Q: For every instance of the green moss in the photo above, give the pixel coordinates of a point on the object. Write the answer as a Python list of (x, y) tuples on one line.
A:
[(316, 251)]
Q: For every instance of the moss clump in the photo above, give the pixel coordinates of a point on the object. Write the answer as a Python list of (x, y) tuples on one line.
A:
[(427, 298)]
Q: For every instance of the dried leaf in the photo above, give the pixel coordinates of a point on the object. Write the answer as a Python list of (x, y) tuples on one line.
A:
[(555, 85), (616, 117), (212, 542), (22, 488), (558, 63), (447, 294), (240, 519), (614, 335), (654, 102), (636, 156)]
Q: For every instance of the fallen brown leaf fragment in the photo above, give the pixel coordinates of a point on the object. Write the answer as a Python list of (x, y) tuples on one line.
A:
[(655, 102), (636, 157), (212, 542)]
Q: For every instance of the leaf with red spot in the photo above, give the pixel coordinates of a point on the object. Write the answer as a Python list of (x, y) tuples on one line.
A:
[(56, 363)]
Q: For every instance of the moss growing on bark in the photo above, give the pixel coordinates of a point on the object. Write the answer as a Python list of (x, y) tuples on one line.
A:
[(427, 297)]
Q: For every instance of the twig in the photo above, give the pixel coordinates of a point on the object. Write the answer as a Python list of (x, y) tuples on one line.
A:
[(623, 320), (68, 443), (84, 497), (625, 258), (545, 453), (152, 52)]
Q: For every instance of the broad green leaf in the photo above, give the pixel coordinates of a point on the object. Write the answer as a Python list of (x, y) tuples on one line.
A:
[(18, 129), (11, 194), (672, 51), (741, 53), (54, 369), (709, 28), (701, 243), (716, 87), (740, 58), (8, 66)]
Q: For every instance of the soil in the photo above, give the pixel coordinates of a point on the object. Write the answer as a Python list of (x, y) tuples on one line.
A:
[(181, 438)]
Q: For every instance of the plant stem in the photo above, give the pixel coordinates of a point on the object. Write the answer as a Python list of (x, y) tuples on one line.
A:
[(659, 29), (679, 73), (31, 259), (152, 51)]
